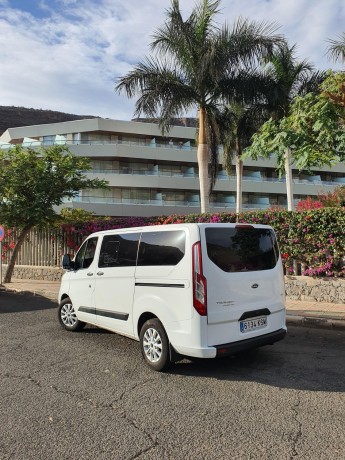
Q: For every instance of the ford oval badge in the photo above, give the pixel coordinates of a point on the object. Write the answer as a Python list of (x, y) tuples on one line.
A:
[(254, 286)]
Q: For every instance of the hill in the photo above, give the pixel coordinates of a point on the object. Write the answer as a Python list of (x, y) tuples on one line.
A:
[(14, 117)]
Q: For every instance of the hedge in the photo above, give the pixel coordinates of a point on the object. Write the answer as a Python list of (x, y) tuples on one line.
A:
[(314, 238)]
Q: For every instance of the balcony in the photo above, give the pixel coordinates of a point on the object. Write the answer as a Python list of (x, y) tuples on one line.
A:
[(221, 177), (215, 205)]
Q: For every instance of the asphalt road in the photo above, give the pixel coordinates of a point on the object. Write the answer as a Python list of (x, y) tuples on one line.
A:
[(88, 395)]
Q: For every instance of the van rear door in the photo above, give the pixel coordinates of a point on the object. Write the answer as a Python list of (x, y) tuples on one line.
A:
[(245, 284)]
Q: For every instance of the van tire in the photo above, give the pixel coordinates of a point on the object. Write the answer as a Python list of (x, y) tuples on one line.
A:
[(154, 345), (68, 318)]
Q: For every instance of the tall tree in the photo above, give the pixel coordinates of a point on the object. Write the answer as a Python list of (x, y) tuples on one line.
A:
[(32, 182), (197, 64), (289, 78)]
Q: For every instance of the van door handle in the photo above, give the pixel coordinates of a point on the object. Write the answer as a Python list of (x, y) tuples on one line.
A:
[(100, 273), (89, 274)]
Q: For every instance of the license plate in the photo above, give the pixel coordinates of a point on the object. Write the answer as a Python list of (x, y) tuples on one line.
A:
[(254, 323)]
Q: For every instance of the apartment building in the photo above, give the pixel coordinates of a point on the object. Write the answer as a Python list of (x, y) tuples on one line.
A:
[(151, 174)]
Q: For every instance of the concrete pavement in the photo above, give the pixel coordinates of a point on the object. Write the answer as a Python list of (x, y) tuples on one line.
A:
[(303, 313)]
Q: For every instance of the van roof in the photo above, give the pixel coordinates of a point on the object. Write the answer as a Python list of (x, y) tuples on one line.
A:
[(164, 227)]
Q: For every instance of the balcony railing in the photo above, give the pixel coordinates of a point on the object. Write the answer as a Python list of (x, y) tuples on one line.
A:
[(221, 177), (167, 203), (143, 172)]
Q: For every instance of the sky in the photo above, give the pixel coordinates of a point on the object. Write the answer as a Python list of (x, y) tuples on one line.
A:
[(66, 55)]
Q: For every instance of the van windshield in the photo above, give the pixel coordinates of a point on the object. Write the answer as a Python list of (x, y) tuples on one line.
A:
[(242, 249)]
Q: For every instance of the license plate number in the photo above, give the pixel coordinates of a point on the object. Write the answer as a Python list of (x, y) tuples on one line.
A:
[(254, 323)]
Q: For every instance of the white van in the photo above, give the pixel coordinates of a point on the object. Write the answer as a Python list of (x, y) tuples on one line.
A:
[(197, 290)]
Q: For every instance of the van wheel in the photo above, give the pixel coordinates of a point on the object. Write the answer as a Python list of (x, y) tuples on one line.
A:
[(154, 345), (67, 316)]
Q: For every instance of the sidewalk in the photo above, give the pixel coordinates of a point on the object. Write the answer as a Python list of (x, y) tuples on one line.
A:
[(298, 312)]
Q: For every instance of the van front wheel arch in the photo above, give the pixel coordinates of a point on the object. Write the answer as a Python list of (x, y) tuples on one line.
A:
[(154, 345)]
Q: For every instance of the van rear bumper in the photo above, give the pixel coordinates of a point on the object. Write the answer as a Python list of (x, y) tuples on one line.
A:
[(177, 352), (247, 344)]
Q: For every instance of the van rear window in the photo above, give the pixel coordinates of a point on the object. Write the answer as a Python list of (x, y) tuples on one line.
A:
[(242, 249)]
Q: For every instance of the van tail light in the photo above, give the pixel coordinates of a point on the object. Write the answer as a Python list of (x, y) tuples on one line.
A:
[(199, 282)]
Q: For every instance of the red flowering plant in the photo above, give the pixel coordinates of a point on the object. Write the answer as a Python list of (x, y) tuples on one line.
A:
[(309, 203), (7, 245)]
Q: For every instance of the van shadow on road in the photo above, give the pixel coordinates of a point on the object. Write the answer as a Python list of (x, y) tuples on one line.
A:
[(307, 359), (14, 302)]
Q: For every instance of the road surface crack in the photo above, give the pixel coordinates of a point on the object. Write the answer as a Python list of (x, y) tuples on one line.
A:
[(295, 438)]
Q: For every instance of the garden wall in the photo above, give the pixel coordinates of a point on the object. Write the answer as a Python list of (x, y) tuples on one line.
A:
[(35, 273), (315, 289), (296, 287)]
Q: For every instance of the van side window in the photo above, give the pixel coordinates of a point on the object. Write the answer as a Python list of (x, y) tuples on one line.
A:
[(161, 248), (242, 249), (119, 250), (86, 254)]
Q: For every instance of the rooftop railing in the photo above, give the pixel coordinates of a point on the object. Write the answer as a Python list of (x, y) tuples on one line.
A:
[(48, 143)]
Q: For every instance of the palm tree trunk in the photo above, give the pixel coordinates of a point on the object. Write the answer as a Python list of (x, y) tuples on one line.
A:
[(21, 238), (239, 176), (203, 157), (288, 176)]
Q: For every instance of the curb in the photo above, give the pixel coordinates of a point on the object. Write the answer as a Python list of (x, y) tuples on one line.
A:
[(315, 322)]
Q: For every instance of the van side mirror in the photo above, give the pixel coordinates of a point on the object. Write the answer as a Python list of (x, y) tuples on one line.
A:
[(67, 263)]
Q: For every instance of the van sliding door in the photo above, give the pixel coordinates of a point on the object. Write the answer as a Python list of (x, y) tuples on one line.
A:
[(114, 288)]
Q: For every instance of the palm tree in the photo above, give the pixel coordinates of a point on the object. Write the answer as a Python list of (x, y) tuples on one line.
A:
[(197, 65), (289, 78), (239, 123), (336, 48)]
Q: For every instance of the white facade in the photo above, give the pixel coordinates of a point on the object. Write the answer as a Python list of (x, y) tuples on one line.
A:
[(151, 174)]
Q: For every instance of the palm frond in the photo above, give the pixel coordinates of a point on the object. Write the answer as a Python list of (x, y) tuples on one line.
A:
[(250, 41), (336, 48), (161, 90), (311, 83), (289, 78), (187, 43)]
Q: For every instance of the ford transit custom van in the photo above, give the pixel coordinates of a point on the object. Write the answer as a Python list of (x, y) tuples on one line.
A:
[(182, 290)]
